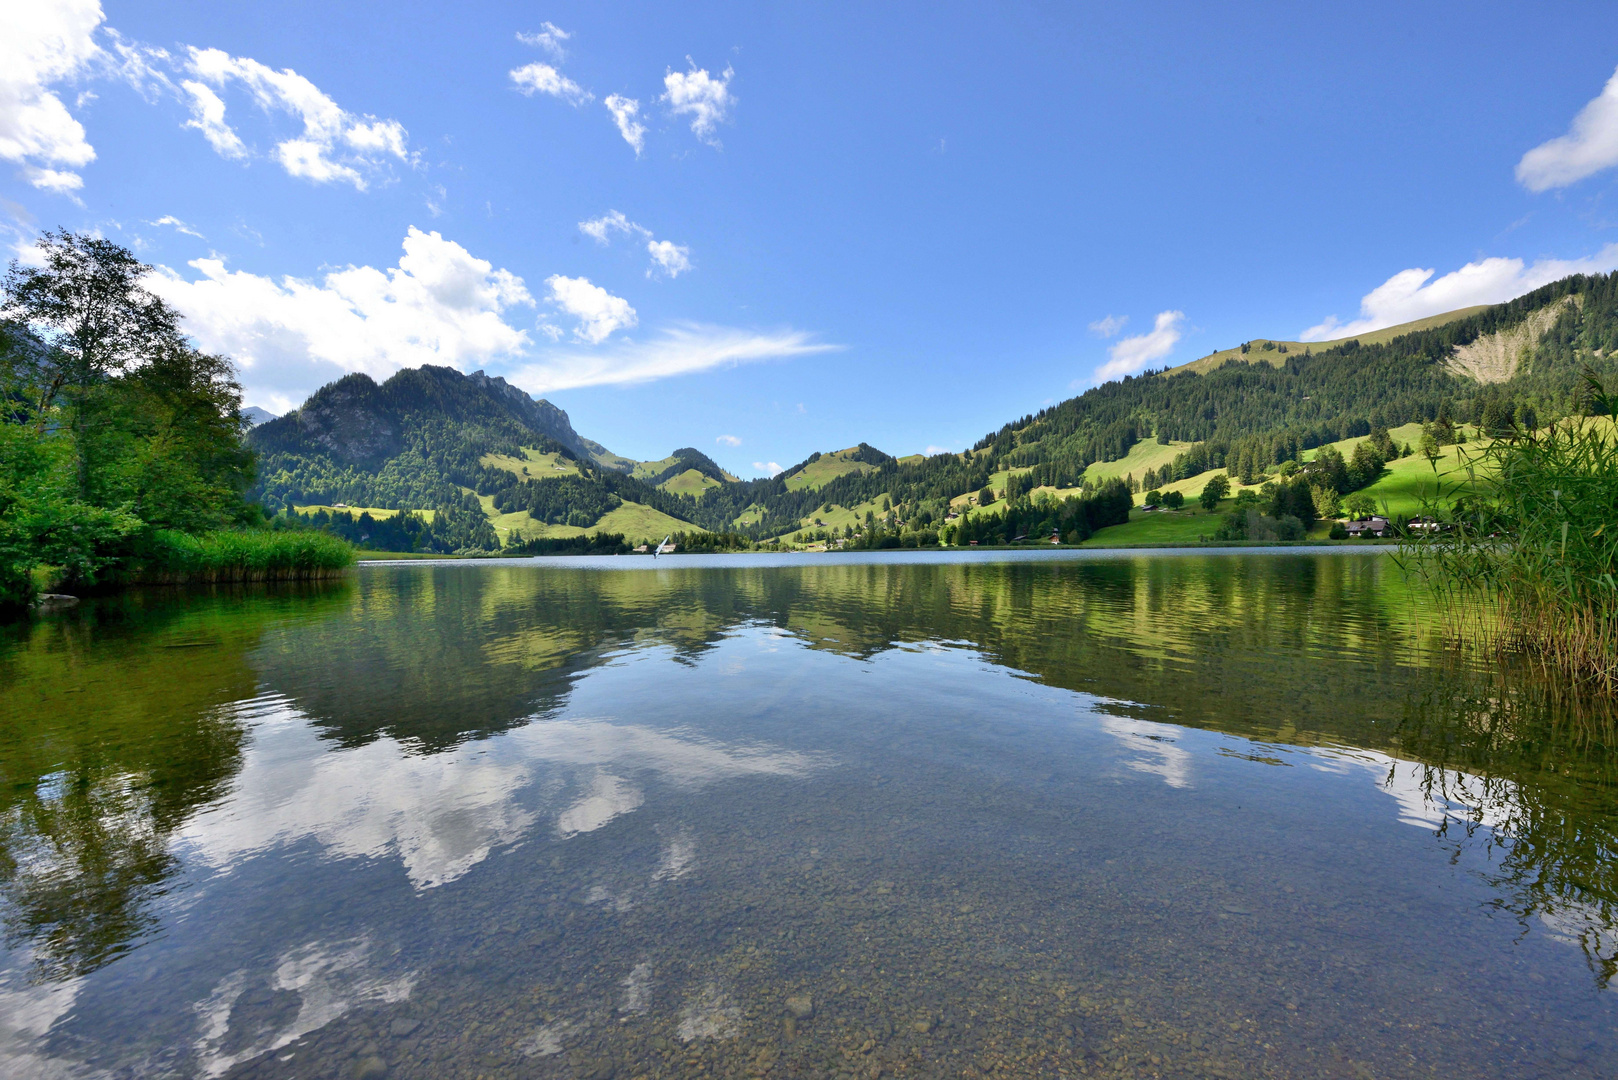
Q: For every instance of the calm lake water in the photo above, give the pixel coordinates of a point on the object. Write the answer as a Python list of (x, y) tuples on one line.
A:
[(1234, 814)]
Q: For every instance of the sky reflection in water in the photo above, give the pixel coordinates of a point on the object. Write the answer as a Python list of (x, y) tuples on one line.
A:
[(1212, 814)]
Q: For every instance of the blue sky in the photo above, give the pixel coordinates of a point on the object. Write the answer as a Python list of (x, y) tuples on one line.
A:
[(764, 230)]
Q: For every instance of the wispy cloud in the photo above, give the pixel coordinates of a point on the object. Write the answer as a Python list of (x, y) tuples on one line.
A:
[(705, 99), (538, 78), (1109, 326), (625, 113), (177, 225), (728, 440), (668, 258), (1131, 354), (931, 450), (1410, 295), (681, 349), (1590, 145), (770, 467), (601, 229), (335, 144), (549, 37)]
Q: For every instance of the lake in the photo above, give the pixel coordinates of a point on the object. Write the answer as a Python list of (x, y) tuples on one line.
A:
[(1230, 814)]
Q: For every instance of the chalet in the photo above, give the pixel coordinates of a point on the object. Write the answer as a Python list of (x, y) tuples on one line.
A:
[(1367, 527), (1427, 524)]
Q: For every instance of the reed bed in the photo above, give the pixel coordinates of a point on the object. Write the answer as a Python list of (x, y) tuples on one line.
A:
[(241, 555), (1527, 560)]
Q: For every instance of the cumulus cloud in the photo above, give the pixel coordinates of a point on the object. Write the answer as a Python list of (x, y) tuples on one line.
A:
[(537, 78), (1131, 354), (769, 467), (598, 311), (440, 305), (177, 225), (931, 450), (705, 99), (1590, 145), (549, 37), (1410, 295), (1109, 326), (625, 111), (335, 145), (729, 440), (44, 45), (668, 258), (678, 350)]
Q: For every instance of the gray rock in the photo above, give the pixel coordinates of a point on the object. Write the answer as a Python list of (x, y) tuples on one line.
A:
[(369, 1068), (403, 1026), (51, 601), (801, 1006)]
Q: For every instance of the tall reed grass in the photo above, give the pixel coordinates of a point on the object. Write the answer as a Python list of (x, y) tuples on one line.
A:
[(174, 558), (1529, 558)]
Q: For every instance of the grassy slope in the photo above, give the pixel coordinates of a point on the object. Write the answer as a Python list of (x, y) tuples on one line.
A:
[(1257, 354), (690, 482), (817, 474), (532, 465), (636, 521)]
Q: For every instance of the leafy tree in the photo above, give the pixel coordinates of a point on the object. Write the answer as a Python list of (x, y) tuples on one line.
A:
[(97, 319), (986, 496), (1152, 498), (1360, 505), (1173, 499), (1216, 489)]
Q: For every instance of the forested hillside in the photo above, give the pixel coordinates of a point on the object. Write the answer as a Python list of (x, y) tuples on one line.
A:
[(433, 439)]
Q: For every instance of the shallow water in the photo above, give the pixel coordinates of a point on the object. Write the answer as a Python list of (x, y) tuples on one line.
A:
[(1233, 814)]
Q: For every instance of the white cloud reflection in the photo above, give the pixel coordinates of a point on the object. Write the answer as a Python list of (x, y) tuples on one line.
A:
[(443, 813)]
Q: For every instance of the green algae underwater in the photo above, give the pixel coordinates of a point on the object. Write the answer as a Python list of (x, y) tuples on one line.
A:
[(1053, 814)]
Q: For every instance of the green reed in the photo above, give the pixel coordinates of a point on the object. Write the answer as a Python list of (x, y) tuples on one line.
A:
[(241, 555), (1528, 561)]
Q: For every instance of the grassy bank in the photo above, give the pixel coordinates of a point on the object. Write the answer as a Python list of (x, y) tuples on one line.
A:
[(1529, 561), (174, 558)]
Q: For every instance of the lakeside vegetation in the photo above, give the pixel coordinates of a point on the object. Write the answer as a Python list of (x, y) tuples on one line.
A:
[(121, 450), (1526, 555)]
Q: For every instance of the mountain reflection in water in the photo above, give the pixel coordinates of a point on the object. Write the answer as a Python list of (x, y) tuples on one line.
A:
[(1177, 814)]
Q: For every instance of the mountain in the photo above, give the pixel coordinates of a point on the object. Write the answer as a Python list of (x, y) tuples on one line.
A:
[(433, 438), (256, 416), (468, 446)]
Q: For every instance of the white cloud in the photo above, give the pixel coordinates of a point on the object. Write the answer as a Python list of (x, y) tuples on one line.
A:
[(1409, 295), (598, 311), (440, 305), (729, 440), (1589, 146), (613, 221), (1109, 326), (624, 112), (208, 117), (705, 99), (178, 226), (1131, 354), (549, 37), (45, 44), (931, 450), (769, 467), (679, 350), (335, 145), (668, 258), (671, 259), (537, 78)]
